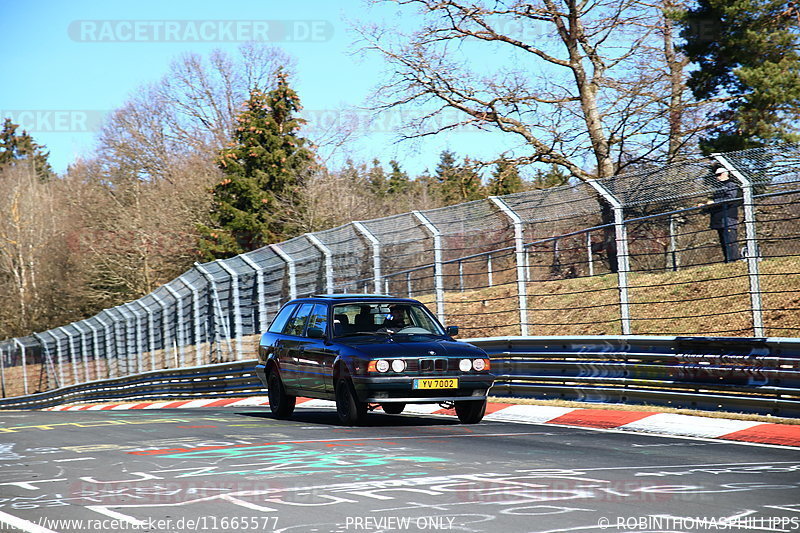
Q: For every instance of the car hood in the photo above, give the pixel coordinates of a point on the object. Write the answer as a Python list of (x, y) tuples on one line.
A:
[(394, 347)]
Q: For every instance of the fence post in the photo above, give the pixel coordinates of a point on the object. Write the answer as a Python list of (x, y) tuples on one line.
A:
[(217, 306), (96, 348), (623, 263), (24, 366), (376, 255), (151, 333), (107, 340), (673, 244), (165, 336), (326, 253), (438, 273), (521, 257), (489, 269), (3, 369), (235, 302), (752, 244), (290, 266), (82, 333), (126, 341), (589, 252), (262, 305), (198, 353), (179, 325), (137, 336), (59, 361), (408, 284), (71, 354)]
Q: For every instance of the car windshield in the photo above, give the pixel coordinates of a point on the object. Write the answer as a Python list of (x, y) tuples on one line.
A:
[(378, 318)]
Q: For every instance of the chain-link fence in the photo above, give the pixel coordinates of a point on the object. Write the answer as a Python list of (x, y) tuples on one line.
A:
[(633, 254)]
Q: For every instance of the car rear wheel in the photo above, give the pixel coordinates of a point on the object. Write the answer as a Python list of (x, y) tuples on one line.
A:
[(471, 412), (280, 403), (393, 408), (351, 412)]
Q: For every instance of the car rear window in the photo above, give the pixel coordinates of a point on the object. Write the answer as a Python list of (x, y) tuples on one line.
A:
[(297, 323)]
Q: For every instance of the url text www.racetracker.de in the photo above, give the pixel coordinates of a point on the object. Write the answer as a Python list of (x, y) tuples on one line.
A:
[(199, 523)]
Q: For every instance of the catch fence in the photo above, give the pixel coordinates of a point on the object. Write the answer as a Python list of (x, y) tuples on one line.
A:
[(628, 255)]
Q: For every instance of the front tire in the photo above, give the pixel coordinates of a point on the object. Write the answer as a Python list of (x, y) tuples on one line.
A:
[(280, 403), (393, 408), (471, 411), (351, 412)]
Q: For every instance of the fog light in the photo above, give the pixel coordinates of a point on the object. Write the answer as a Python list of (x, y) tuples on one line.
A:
[(478, 364), (382, 365), (465, 365), (398, 365)]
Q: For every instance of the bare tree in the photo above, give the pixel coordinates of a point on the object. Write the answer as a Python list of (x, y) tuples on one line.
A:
[(569, 82)]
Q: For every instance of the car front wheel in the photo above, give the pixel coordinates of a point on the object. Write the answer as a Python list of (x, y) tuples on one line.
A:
[(280, 403), (351, 412), (471, 412)]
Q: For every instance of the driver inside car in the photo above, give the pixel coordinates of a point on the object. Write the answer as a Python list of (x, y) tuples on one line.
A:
[(396, 319)]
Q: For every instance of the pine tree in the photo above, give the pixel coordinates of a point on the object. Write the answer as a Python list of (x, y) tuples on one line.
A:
[(555, 177), (457, 183), (377, 179), (262, 172), (747, 50), (505, 180), (398, 182), (21, 147)]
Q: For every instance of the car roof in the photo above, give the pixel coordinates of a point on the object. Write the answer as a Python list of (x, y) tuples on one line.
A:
[(349, 298)]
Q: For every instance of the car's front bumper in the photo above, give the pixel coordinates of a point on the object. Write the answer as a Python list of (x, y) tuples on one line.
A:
[(388, 389)]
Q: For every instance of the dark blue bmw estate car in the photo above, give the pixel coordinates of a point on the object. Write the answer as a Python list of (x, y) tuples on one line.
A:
[(364, 350)]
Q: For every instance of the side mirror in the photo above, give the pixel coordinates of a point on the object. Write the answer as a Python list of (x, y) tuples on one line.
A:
[(315, 333), (451, 330)]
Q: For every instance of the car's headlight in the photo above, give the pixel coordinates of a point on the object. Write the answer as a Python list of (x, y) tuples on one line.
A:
[(465, 365), (382, 365), (398, 365), (479, 364)]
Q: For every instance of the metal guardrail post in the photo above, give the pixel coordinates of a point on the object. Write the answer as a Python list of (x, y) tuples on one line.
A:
[(180, 323), (237, 310), (752, 244), (59, 360), (262, 304), (521, 259), (82, 333), (438, 273), (151, 333), (24, 366), (376, 255), (218, 314), (70, 354), (489, 272), (3, 370), (326, 253), (137, 335), (117, 322), (623, 262), (166, 338), (290, 266), (198, 352), (110, 370), (95, 349)]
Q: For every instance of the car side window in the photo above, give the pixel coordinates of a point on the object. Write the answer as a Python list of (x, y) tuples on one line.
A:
[(279, 321), (297, 323), (319, 318)]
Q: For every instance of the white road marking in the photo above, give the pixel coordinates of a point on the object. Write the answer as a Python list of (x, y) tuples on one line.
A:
[(24, 525)]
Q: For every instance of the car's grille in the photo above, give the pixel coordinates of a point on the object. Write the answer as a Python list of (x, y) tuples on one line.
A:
[(432, 365)]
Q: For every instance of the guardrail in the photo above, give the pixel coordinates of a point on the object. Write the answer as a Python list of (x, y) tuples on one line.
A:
[(756, 375)]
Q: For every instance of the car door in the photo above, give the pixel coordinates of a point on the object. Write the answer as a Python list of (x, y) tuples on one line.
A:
[(319, 353), (291, 345)]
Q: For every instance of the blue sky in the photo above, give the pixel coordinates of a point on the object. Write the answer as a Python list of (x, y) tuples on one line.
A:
[(54, 77)]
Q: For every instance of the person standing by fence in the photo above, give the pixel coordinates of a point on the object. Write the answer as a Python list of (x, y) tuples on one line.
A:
[(724, 213)]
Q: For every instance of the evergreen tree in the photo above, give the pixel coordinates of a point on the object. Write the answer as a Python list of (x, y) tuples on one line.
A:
[(505, 180), (555, 177), (377, 179), (457, 183), (262, 172), (749, 51), (398, 182), (21, 147)]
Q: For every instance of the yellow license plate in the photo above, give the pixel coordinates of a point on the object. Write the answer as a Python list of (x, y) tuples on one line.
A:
[(436, 383)]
